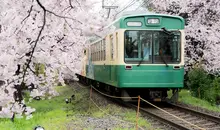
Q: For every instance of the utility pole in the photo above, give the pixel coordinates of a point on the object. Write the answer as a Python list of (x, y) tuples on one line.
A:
[(108, 7)]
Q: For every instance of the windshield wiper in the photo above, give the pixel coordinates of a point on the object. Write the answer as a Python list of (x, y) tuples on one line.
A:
[(166, 31), (140, 61), (161, 56)]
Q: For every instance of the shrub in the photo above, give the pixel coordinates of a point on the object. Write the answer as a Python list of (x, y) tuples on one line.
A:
[(198, 82), (204, 85), (213, 93)]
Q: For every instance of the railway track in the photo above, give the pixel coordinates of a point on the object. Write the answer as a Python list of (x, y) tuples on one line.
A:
[(176, 116), (182, 118)]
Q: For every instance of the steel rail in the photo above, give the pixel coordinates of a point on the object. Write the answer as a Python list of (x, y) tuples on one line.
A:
[(197, 113), (160, 118)]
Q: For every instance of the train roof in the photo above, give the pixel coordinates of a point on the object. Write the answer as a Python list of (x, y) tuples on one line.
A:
[(167, 21)]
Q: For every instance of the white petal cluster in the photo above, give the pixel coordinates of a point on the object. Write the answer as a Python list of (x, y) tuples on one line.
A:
[(58, 51)]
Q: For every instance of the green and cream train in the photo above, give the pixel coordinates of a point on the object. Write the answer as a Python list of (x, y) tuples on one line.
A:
[(142, 55)]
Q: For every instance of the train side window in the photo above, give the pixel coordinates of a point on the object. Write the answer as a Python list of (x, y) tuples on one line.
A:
[(104, 49), (116, 52), (100, 47), (97, 44), (95, 52), (101, 50), (91, 52), (112, 47), (96, 48)]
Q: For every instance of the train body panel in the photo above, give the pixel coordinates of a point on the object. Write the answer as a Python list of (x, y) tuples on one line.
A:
[(139, 77), (150, 77)]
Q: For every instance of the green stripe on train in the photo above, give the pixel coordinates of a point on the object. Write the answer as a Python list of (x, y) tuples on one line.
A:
[(150, 76)]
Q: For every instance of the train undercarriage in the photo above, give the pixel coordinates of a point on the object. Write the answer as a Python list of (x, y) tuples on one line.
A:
[(149, 94)]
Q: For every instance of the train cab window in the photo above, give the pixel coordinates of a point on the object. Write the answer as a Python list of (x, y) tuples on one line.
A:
[(152, 46), (167, 47), (131, 48), (146, 46), (138, 46)]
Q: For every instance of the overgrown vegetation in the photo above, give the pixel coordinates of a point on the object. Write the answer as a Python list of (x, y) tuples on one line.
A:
[(186, 97), (203, 85), (55, 114)]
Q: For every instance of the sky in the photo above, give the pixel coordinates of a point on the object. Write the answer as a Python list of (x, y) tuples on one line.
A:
[(123, 5)]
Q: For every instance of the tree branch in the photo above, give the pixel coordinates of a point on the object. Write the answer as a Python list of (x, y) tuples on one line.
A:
[(64, 17), (29, 13), (78, 3), (36, 41), (59, 39), (70, 3), (72, 27), (32, 70)]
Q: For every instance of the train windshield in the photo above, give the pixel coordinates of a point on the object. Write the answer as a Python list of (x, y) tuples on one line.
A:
[(152, 47)]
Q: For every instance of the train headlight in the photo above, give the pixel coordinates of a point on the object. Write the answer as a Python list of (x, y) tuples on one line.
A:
[(153, 21)]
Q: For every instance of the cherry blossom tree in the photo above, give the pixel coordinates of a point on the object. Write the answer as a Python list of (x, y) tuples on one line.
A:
[(41, 43)]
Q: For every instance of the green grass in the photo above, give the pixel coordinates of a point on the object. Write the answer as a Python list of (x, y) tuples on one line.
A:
[(187, 98), (131, 117), (55, 114), (51, 114)]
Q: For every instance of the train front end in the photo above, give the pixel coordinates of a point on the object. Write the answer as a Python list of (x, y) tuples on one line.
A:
[(152, 60)]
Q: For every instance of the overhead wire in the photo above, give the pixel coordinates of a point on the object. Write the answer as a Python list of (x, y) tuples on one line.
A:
[(129, 5), (132, 2), (143, 3)]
